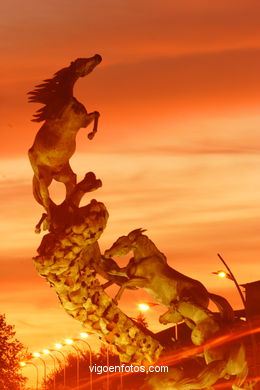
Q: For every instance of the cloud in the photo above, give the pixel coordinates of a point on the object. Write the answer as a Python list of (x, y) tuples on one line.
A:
[(126, 30), (142, 101), (177, 146)]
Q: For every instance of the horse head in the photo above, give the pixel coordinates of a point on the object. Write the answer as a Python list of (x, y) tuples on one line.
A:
[(135, 234), (83, 66), (55, 92), (124, 244), (120, 248)]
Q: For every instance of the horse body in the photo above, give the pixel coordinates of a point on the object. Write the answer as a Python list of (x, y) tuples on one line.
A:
[(187, 300), (185, 297), (49, 145), (55, 142), (148, 269)]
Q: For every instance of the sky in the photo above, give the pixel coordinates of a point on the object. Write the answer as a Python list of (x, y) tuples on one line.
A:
[(177, 147)]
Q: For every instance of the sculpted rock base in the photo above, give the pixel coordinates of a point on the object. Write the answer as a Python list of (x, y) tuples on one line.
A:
[(67, 260)]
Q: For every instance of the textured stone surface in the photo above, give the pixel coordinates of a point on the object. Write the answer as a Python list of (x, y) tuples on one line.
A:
[(66, 260)]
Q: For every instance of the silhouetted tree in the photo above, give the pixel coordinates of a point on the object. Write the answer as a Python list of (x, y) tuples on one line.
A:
[(11, 352), (141, 320)]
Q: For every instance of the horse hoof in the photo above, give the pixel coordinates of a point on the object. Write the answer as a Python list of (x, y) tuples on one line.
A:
[(98, 183)]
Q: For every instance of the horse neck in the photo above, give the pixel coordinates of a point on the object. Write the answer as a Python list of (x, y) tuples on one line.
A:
[(66, 126), (144, 247)]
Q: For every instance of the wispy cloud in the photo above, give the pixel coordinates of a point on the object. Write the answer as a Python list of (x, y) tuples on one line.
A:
[(177, 147)]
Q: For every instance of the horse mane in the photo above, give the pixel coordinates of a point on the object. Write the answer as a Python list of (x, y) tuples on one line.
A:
[(53, 93), (135, 234)]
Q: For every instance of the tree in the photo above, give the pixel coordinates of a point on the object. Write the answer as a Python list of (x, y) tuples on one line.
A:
[(141, 320), (11, 352)]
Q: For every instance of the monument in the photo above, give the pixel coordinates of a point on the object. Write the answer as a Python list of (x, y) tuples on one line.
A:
[(70, 259)]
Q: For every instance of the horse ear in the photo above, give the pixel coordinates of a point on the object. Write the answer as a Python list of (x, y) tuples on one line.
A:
[(134, 234)]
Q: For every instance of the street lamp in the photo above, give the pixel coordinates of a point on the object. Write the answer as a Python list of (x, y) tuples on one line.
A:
[(38, 355), (48, 352), (59, 346), (70, 342), (231, 276), (143, 306), (107, 358), (84, 336), (223, 274), (23, 364)]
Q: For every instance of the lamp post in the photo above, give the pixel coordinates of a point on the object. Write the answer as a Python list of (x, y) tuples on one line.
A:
[(38, 355), (231, 276), (84, 336), (23, 364), (107, 358), (48, 352), (59, 346), (70, 342)]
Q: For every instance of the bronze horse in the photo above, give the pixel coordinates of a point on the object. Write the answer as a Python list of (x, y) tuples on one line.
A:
[(55, 142), (148, 269), (187, 299)]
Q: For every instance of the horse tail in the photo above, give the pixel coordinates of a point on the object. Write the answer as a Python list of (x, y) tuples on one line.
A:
[(226, 311), (206, 378), (36, 190)]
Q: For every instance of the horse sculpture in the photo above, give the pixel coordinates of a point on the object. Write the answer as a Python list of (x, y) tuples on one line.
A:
[(231, 362), (55, 142), (148, 269), (187, 299)]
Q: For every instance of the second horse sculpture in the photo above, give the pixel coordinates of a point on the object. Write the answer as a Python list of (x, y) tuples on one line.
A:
[(55, 142), (187, 299), (148, 269)]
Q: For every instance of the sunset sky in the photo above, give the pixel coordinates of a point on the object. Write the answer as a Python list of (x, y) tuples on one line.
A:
[(177, 147)]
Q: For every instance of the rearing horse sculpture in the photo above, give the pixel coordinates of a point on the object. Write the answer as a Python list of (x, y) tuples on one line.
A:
[(55, 142), (185, 297)]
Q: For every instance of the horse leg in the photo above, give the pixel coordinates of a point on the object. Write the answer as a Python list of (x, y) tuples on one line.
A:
[(41, 182), (206, 378), (171, 316), (107, 284), (135, 282), (38, 226), (205, 324), (237, 365), (240, 379), (67, 177), (40, 190), (92, 116), (36, 190)]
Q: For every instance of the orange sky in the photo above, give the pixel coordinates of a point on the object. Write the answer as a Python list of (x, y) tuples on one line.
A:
[(177, 148)]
